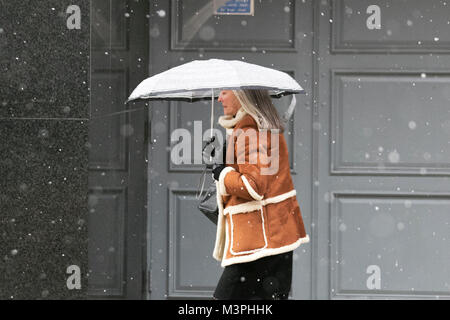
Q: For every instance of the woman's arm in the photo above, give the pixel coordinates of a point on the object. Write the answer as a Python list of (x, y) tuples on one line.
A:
[(247, 182)]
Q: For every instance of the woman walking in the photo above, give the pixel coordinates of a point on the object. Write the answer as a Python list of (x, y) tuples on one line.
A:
[(260, 222)]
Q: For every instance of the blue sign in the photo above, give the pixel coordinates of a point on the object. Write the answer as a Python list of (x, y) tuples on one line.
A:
[(234, 7)]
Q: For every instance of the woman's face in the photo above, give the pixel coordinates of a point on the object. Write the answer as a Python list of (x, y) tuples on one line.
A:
[(229, 102)]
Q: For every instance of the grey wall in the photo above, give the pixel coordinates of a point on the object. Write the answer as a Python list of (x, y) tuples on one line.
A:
[(44, 107)]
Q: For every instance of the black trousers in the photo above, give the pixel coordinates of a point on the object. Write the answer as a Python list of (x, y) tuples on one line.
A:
[(268, 278)]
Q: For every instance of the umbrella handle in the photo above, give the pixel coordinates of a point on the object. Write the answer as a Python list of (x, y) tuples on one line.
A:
[(212, 117)]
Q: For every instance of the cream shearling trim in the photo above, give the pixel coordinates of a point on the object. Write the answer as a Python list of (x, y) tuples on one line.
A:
[(250, 190), (221, 232), (227, 241), (264, 252), (256, 205), (222, 189), (228, 122), (280, 197), (243, 207), (229, 131)]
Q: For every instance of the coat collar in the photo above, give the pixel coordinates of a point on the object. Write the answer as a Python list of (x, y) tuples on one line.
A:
[(229, 122)]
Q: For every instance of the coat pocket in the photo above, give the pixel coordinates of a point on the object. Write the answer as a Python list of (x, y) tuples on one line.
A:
[(248, 233)]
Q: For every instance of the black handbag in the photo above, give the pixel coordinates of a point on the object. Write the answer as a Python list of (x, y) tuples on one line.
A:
[(208, 201)]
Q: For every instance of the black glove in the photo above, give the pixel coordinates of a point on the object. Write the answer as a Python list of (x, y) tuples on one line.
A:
[(217, 170)]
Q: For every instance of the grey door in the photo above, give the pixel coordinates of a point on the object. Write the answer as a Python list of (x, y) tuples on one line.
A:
[(117, 151), (181, 239), (381, 191)]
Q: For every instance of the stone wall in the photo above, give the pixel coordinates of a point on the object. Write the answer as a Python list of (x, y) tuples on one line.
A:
[(44, 112)]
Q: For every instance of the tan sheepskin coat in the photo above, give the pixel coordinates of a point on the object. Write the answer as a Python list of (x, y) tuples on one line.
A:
[(258, 213)]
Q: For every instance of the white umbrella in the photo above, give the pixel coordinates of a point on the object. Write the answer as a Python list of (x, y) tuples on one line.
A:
[(195, 80), (204, 79)]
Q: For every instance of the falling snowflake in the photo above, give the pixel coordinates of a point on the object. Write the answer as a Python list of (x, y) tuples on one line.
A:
[(394, 157)]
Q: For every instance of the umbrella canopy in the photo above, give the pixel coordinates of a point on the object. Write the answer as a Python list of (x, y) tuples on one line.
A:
[(204, 79)]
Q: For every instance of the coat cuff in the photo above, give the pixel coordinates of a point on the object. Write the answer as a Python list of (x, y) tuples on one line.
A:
[(250, 190), (222, 189)]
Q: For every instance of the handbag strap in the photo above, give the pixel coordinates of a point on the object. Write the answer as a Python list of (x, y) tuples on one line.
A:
[(202, 182)]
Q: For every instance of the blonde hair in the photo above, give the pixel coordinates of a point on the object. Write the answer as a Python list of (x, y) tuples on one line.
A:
[(258, 104)]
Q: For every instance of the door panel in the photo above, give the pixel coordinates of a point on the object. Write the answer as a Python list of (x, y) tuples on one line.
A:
[(382, 134), (117, 151)]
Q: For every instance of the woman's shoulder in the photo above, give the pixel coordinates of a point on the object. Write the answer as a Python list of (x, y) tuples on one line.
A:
[(247, 122)]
